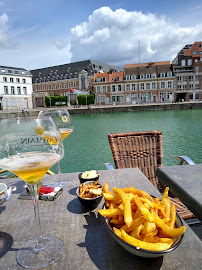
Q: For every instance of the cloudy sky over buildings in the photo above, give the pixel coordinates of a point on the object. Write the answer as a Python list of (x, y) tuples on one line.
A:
[(40, 33)]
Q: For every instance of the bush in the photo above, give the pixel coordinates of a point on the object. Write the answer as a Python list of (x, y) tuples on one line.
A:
[(56, 101), (82, 99)]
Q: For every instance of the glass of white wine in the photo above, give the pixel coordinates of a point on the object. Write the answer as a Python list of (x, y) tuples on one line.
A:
[(26, 151), (63, 121)]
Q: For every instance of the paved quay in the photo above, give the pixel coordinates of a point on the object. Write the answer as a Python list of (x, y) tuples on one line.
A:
[(82, 109)]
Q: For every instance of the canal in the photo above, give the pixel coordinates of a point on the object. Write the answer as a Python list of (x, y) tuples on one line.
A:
[(87, 147)]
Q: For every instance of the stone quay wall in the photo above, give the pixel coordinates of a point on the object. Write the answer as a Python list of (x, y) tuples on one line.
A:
[(107, 109)]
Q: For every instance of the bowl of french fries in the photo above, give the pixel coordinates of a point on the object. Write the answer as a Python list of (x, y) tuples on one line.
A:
[(142, 224), (88, 176), (89, 194)]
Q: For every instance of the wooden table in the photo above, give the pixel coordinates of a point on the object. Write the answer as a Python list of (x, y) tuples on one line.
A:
[(87, 243), (186, 183)]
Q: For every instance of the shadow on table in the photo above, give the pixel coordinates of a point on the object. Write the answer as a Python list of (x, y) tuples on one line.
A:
[(75, 207), (6, 242), (106, 253)]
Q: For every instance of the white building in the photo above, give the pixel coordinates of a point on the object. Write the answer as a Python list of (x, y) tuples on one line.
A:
[(15, 88)]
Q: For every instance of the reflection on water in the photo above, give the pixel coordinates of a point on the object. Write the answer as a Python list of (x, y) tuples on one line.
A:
[(87, 147)]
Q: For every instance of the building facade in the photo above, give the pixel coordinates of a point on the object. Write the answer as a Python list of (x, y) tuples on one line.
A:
[(15, 88), (69, 79), (137, 84), (187, 68)]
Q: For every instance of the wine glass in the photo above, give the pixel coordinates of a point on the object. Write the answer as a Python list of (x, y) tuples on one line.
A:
[(27, 152), (64, 123)]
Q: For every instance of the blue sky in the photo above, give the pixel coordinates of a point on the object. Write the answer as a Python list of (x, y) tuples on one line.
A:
[(36, 34)]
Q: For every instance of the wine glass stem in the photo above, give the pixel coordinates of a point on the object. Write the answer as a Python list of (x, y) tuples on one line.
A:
[(59, 171), (34, 191)]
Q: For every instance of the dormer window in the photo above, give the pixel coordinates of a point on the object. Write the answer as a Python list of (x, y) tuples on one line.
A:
[(169, 74), (153, 76), (127, 78), (117, 79), (133, 77), (142, 76), (194, 53), (162, 75), (147, 76)]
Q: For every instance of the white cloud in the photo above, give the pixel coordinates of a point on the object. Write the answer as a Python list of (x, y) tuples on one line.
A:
[(114, 37), (5, 42)]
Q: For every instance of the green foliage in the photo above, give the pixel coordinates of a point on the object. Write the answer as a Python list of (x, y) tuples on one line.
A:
[(56, 101), (82, 99)]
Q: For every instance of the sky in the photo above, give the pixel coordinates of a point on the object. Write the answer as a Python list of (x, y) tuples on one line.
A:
[(41, 33)]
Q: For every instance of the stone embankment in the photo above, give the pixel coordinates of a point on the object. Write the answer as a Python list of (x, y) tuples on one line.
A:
[(108, 109)]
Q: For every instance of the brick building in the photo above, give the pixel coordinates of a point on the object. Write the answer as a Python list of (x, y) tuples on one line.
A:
[(187, 68), (69, 79), (137, 84)]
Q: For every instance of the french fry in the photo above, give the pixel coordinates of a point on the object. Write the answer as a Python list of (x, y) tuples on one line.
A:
[(144, 245), (126, 204), (171, 224), (144, 210), (164, 196), (110, 212)]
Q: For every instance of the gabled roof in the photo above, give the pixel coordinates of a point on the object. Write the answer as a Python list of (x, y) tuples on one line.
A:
[(148, 64), (14, 71)]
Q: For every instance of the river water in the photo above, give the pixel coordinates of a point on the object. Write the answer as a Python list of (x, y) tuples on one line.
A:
[(87, 147)]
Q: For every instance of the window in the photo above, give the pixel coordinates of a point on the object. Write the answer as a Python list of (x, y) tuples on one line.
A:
[(134, 98), (43, 87), (179, 87), (191, 78), (196, 77), (133, 77), (169, 74), (127, 78), (56, 87), (14, 102), (6, 90), (69, 85), (189, 62), (127, 87), (200, 52), (194, 53), (113, 88), (7, 102), (102, 98), (12, 90), (184, 87), (20, 102), (184, 78), (142, 86), (60, 86), (179, 79), (153, 76), (162, 85), (191, 86), (149, 96), (191, 96), (196, 96), (5, 79), (153, 85), (103, 79), (19, 90), (197, 69), (17, 80), (52, 87), (11, 79), (98, 79), (147, 86), (133, 86), (118, 79), (142, 76), (104, 88), (23, 80), (169, 84), (183, 62), (25, 90), (98, 89), (147, 76), (97, 99), (162, 75), (65, 86), (197, 86), (119, 87)]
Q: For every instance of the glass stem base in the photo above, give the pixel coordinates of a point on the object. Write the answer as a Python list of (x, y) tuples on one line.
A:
[(30, 255)]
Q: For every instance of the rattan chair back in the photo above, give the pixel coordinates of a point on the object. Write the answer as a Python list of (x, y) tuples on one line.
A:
[(143, 150)]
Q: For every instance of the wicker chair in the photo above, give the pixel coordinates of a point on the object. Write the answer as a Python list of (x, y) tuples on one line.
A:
[(143, 150)]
